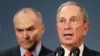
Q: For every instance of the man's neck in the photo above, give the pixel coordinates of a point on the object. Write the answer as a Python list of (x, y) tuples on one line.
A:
[(36, 51), (69, 47)]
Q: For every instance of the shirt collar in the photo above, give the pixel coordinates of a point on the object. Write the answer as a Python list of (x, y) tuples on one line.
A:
[(67, 51), (81, 49), (35, 52)]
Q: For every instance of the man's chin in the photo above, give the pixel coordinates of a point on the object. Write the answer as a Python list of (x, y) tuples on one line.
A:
[(28, 47), (69, 43)]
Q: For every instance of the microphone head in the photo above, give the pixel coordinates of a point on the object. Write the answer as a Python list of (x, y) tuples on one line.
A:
[(59, 51), (75, 51)]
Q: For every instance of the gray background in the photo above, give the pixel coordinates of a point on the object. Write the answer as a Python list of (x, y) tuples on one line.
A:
[(48, 9)]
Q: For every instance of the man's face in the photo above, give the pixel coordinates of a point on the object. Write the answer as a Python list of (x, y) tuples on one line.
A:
[(70, 26), (28, 30)]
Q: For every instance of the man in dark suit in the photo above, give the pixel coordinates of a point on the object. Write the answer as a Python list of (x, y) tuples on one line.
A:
[(72, 26), (86, 52), (29, 29)]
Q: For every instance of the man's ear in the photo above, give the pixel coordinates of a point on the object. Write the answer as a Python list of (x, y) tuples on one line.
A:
[(43, 28), (86, 28), (56, 26)]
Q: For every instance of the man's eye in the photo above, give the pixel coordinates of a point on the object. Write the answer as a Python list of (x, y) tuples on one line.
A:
[(61, 20), (19, 30), (73, 20)]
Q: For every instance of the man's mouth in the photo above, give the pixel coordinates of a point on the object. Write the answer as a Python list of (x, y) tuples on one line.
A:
[(26, 42), (68, 34)]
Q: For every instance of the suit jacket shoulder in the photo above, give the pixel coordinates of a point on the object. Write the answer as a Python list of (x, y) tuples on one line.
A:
[(45, 51), (86, 52), (15, 51), (89, 52)]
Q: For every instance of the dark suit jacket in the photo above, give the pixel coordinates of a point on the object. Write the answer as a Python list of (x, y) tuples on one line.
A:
[(86, 52), (89, 52), (15, 51)]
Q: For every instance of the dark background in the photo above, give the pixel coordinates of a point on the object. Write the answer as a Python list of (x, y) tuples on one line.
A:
[(48, 10)]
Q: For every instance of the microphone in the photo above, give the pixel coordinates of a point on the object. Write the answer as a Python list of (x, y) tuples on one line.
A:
[(75, 51), (59, 51)]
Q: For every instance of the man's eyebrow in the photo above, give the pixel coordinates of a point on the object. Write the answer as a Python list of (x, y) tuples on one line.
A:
[(25, 28), (19, 29), (32, 26)]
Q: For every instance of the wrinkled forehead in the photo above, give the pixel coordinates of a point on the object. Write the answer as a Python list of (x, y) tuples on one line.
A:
[(26, 18), (70, 8)]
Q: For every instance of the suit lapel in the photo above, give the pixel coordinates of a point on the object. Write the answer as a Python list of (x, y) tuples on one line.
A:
[(16, 52), (42, 52), (88, 52)]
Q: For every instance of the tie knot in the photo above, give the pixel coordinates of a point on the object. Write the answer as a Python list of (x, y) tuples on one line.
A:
[(28, 53)]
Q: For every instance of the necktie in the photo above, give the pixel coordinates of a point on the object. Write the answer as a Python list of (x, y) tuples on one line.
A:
[(28, 53)]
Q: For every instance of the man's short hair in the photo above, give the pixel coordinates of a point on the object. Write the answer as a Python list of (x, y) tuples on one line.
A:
[(74, 3), (25, 10)]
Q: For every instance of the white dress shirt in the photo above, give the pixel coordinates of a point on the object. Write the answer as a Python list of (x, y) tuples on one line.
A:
[(35, 52), (67, 51)]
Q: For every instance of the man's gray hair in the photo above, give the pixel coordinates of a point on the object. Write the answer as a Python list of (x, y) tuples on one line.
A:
[(74, 3)]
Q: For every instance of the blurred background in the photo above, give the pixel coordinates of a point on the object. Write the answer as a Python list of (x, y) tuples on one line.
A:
[(48, 10)]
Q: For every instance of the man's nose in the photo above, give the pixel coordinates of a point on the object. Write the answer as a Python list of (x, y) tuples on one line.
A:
[(25, 35), (67, 26)]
